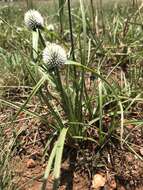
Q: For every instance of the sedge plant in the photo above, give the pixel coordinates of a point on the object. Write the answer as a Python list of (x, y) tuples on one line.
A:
[(75, 103)]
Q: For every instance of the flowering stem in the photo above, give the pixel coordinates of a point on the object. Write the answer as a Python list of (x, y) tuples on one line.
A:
[(67, 106), (75, 84), (35, 39), (42, 39), (43, 98), (71, 32), (61, 14)]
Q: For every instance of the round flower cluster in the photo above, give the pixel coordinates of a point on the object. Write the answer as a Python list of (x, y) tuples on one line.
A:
[(33, 20), (54, 55)]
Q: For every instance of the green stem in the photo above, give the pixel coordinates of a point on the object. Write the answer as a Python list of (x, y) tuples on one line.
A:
[(71, 32), (42, 39), (67, 106), (61, 15)]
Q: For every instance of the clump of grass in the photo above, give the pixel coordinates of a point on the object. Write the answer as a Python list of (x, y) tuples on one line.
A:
[(74, 100)]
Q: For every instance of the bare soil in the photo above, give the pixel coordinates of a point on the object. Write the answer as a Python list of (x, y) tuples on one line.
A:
[(121, 166)]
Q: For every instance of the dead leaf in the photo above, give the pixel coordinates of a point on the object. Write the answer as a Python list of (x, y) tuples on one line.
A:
[(98, 181)]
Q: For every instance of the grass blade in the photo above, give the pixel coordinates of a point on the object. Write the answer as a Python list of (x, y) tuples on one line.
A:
[(49, 166), (58, 159)]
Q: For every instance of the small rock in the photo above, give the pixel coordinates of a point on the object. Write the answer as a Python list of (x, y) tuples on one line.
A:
[(113, 185), (141, 151), (129, 158), (33, 157), (130, 126), (122, 188), (98, 181), (31, 163)]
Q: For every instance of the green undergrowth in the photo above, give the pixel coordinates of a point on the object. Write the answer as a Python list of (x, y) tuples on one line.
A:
[(102, 78)]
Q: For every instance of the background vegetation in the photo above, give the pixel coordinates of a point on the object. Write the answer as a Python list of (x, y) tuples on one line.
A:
[(93, 99)]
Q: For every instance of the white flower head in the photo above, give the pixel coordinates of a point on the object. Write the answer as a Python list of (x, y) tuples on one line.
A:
[(33, 19), (54, 55)]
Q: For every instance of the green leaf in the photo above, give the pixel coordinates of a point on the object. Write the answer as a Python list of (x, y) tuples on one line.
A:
[(58, 159)]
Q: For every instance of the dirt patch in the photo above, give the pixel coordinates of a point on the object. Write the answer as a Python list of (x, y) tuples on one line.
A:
[(122, 167)]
